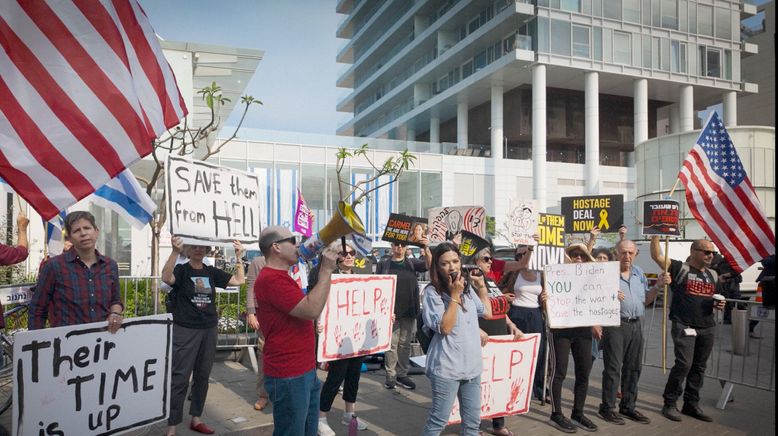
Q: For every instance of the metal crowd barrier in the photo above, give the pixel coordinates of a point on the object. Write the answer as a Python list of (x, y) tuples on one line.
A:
[(742, 355)]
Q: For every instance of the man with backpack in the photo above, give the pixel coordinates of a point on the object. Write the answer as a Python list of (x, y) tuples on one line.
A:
[(693, 284), (406, 310)]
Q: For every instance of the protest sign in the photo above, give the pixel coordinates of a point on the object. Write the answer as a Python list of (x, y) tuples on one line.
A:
[(81, 379), (447, 223), (303, 218), (522, 222), (405, 229), (661, 217), (506, 379), (582, 294), (551, 248), (470, 246), (605, 212), (16, 294), (212, 205), (357, 319)]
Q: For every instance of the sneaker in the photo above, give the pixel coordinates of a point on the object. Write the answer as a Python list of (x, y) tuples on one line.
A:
[(390, 384), (561, 423), (695, 412), (324, 428), (406, 382), (346, 420), (611, 417), (671, 413), (584, 422), (635, 416)]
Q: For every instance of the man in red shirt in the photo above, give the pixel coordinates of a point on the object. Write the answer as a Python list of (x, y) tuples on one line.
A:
[(286, 319)]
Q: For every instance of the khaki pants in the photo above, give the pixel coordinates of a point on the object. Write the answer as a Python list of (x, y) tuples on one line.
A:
[(397, 358)]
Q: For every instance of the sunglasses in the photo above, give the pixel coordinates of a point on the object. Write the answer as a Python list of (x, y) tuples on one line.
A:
[(397, 244), (487, 258), (349, 253), (577, 254), (707, 252), (291, 240)]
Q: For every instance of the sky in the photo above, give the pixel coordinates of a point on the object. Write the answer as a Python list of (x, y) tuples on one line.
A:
[(296, 78)]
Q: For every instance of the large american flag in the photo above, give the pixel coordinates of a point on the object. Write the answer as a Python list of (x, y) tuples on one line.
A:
[(721, 198), (84, 89)]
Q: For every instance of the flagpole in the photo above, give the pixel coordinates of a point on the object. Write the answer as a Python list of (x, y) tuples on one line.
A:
[(664, 289)]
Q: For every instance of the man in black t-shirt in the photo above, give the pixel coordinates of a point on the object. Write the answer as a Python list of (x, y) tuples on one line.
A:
[(693, 284), (406, 308)]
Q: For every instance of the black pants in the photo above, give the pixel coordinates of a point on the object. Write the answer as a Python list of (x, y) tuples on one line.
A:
[(340, 371), (577, 340), (691, 357), (530, 320), (193, 354), (621, 350)]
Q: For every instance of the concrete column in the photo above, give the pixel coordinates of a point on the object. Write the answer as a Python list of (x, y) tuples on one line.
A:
[(498, 134), (435, 134), (687, 108), (539, 135), (592, 116), (640, 101), (675, 119), (730, 108), (462, 125)]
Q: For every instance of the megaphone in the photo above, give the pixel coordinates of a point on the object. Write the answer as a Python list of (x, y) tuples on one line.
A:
[(344, 222)]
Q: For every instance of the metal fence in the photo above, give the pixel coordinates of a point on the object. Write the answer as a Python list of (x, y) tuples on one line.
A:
[(743, 351)]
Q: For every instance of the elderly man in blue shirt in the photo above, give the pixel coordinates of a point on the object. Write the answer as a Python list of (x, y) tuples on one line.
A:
[(622, 345)]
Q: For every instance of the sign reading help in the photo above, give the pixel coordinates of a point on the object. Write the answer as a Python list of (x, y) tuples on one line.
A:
[(582, 294), (606, 212), (506, 379), (661, 217), (209, 204), (80, 380), (357, 319)]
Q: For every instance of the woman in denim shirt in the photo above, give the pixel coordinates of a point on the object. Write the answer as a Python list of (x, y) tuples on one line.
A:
[(451, 309)]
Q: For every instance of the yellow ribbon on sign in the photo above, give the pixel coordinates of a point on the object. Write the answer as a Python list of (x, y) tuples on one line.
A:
[(603, 220), (359, 263)]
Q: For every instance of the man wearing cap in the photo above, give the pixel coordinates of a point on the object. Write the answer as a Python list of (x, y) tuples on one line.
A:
[(693, 284), (286, 319)]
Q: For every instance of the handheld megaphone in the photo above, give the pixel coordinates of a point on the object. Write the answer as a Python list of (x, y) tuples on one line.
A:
[(344, 222)]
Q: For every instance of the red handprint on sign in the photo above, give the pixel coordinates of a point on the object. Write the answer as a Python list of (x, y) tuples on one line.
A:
[(517, 388)]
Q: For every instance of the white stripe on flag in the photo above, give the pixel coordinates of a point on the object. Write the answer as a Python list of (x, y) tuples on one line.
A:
[(124, 195)]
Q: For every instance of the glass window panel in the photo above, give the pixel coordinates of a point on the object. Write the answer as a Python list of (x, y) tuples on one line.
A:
[(597, 43), (597, 8), (713, 62), (705, 20), (408, 193), (554, 4), (542, 34), (560, 37), (570, 5), (646, 51), (670, 14), (646, 12), (665, 54), (723, 23), (632, 11), (728, 64), (675, 49), (431, 192), (581, 47), (612, 9), (682, 58), (621, 48), (692, 17), (656, 51), (586, 7), (312, 185), (656, 13), (607, 45), (683, 19)]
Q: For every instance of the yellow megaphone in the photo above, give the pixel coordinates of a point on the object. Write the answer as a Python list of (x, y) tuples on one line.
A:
[(345, 222)]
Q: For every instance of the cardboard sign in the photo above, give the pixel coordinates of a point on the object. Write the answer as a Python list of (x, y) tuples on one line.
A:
[(469, 247), (506, 380), (15, 294), (212, 205), (605, 212), (661, 217), (303, 217), (409, 230), (582, 294), (551, 248), (447, 223), (357, 319), (522, 222), (81, 380)]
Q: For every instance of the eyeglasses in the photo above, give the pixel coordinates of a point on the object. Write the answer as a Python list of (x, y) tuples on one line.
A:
[(349, 253), (292, 240), (487, 258), (397, 244), (707, 252), (577, 254)]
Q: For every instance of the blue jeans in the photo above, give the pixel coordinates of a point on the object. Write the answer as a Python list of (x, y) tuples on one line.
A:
[(295, 404), (444, 391)]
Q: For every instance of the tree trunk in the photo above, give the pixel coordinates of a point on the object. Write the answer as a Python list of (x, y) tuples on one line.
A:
[(155, 230)]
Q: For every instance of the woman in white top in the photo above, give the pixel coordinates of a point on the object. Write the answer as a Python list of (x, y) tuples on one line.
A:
[(526, 287)]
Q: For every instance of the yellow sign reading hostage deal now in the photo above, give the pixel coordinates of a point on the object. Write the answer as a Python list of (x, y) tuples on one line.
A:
[(582, 214)]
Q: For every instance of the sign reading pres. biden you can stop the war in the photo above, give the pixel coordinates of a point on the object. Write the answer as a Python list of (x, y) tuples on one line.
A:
[(212, 205), (606, 212), (83, 380)]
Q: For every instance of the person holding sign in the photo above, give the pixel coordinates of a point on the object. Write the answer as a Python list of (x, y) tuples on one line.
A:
[(693, 284), (577, 340), (10, 255), (622, 345), (286, 318), (346, 371), (193, 305), (453, 302), (80, 285), (525, 287)]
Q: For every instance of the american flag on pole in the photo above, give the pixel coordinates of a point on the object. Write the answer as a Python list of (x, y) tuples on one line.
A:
[(721, 198), (84, 89)]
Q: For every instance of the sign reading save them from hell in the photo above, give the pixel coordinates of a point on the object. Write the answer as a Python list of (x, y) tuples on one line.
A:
[(661, 217), (211, 204), (83, 380), (605, 212), (582, 294), (357, 319), (506, 378)]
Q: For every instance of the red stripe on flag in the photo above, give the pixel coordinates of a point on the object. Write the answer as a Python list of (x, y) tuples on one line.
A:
[(101, 86), (147, 59), (754, 209), (20, 182)]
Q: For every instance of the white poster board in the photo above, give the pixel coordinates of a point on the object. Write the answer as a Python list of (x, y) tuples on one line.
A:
[(506, 380), (582, 294), (16, 294), (522, 222), (446, 223), (357, 320), (83, 380), (212, 205)]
